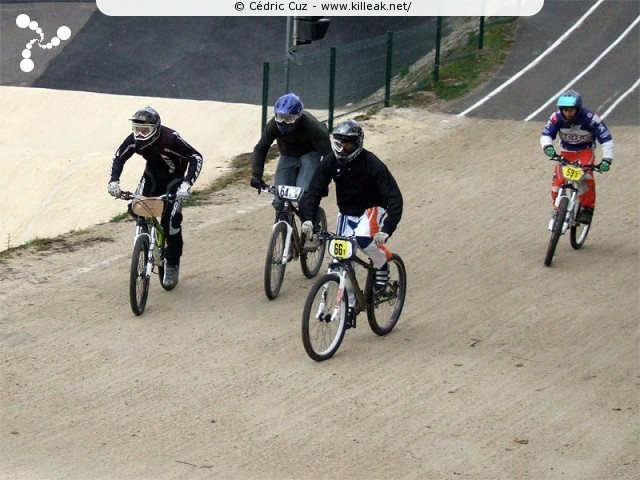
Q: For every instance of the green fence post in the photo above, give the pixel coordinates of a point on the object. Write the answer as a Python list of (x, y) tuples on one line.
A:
[(387, 80), (436, 66), (265, 93), (332, 85), (481, 34)]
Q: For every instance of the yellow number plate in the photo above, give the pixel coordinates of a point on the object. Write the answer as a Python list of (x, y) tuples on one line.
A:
[(340, 249), (572, 173)]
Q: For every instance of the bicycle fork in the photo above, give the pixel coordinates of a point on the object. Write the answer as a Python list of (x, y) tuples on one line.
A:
[(287, 241), (572, 198), (152, 248)]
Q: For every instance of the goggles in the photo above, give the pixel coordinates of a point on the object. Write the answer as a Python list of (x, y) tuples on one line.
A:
[(344, 147), (288, 118), (142, 131)]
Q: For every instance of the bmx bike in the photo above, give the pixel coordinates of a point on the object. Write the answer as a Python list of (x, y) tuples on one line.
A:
[(327, 313), (287, 243), (567, 207), (148, 247)]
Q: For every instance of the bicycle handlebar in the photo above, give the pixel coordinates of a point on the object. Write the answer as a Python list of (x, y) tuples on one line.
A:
[(126, 195), (565, 161)]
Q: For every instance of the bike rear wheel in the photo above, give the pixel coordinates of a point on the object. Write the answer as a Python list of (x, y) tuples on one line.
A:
[(561, 214), (311, 261), (138, 279), (273, 266), (322, 336), (384, 308), (578, 234)]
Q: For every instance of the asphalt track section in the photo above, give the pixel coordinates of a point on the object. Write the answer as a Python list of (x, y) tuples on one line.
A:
[(600, 87), (200, 58)]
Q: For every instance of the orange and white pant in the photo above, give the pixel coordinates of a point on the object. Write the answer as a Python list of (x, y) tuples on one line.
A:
[(584, 157), (365, 227)]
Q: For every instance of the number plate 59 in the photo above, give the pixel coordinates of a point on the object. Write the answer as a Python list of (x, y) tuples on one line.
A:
[(572, 173)]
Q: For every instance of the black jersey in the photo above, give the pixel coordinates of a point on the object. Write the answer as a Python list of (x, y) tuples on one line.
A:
[(170, 157), (310, 135), (363, 183)]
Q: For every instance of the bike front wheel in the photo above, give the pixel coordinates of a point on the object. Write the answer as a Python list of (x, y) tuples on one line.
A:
[(384, 308), (556, 232), (323, 319), (311, 261), (274, 267), (578, 234), (138, 279)]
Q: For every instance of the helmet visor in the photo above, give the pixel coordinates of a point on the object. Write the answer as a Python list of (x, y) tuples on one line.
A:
[(286, 118), (343, 148), (142, 131)]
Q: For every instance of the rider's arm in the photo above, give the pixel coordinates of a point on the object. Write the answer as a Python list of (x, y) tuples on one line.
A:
[(320, 138), (388, 187), (550, 130), (124, 153), (603, 135), (261, 149), (310, 200), (182, 148)]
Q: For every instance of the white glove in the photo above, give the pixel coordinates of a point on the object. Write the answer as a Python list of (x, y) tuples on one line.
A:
[(380, 238), (183, 192), (114, 189), (307, 229)]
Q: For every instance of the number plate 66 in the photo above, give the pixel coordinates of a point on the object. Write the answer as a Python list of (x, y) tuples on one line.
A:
[(340, 249)]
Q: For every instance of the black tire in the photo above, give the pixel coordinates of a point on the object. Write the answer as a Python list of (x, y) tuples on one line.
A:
[(561, 213), (383, 310), (311, 262), (578, 234), (273, 266), (138, 279), (322, 336)]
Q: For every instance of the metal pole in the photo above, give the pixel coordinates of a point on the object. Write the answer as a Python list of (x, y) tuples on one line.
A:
[(287, 54), (436, 67), (387, 81), (481, 34), (265, 93), (332, 85)]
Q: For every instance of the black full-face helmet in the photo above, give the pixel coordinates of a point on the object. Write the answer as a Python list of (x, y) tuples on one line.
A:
[(347, 141), (145, 124)]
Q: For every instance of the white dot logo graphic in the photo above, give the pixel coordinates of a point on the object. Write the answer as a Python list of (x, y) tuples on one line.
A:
[(23, 21)]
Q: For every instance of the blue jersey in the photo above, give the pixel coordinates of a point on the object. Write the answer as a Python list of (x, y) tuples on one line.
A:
[(581, 134)]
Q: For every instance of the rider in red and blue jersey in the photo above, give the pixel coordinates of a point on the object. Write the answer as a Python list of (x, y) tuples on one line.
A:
[(578, 128)]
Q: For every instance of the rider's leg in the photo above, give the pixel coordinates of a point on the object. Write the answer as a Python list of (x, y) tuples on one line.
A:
[(286, 174), (308, 164), (588, 198), (368, 225)]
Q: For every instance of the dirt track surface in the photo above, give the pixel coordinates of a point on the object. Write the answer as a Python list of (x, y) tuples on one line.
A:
[(499, 368)]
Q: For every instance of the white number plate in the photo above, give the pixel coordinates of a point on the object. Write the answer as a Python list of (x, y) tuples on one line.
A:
[(287, 192)]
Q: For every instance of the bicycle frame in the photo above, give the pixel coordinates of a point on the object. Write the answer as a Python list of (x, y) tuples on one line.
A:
[(150, 227), (155, 233), (344, 268), (570, 190), (288, 195)]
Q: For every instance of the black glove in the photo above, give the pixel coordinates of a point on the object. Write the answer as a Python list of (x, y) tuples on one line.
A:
[(256, 182)]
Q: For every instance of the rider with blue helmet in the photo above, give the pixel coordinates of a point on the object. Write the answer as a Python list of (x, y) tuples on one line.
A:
[(302, 141), (578, 129)]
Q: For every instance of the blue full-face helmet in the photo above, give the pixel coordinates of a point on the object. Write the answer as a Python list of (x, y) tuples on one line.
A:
[(570, 99), (288, 110)]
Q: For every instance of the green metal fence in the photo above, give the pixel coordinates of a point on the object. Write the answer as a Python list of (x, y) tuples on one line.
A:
[(360, 75)]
